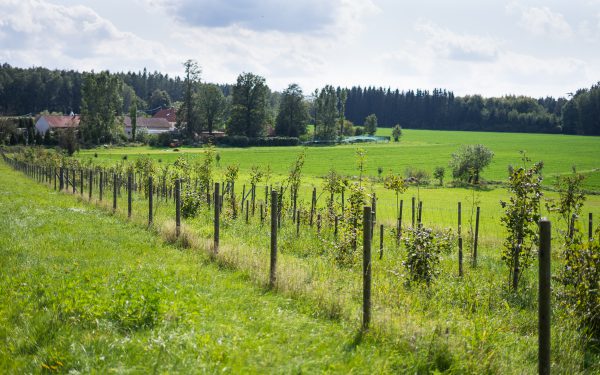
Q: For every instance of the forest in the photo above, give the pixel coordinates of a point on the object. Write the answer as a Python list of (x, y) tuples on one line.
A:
[(28, 91)]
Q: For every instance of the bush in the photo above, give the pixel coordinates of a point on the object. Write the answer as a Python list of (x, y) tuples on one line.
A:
[(191, 202), (234, 141), (423, 247), (417, 176), (243, 141), (580, 279), (468, 162)]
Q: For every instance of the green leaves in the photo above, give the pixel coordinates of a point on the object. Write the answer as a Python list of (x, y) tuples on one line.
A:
[(521, 217)]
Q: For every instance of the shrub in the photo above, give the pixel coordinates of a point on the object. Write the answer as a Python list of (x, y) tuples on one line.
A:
[(580, 279), (438, 174), (424, 247), (191, 202), (234, 141), (417, 176), (468, 162), (397, 132)]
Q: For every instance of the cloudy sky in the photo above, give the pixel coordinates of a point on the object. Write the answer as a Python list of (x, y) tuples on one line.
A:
[(486, 47)]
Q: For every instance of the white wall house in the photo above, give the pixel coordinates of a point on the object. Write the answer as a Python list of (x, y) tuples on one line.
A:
[(53, 122)]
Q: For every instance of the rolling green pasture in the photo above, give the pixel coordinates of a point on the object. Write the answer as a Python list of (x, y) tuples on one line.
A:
[(423, 149), (76, 272), (84, 291)]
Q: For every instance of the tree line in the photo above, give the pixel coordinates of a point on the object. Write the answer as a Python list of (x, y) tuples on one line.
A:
[(334, 111)]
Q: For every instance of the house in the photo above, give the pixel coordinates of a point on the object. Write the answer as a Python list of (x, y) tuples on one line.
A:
[(54, 122), (170, 114), (151, 125)]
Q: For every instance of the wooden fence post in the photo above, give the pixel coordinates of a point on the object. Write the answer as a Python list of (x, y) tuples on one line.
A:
[(101, 184), (90, 184), (150, 208), (459, 218), (367, 216), (178, 207), (544, 298), (590, 227), (420, 216), (476, 239), (61, 179), (273, 268), (74, 181), (381, 241), (129, 192), (460, 256), (217, 215), (115, 183), (298, 223), (81, 181), (413, 212)]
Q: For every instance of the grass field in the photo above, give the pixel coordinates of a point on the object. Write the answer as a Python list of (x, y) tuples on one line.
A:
[(83, 291), (471, 324), (457, 325), (425, 149)]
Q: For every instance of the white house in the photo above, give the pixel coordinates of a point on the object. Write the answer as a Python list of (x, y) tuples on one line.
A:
[(53, 122), (151, 125)]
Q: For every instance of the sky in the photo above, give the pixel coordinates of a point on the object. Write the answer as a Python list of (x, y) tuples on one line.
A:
[(487, 47)]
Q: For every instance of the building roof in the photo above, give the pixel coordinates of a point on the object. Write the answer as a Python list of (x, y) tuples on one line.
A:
[(58, 122), (150, 123), (168, 113)]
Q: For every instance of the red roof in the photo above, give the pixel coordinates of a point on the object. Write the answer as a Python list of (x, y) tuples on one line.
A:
[(62, 121), (169, 113), (145, 122)]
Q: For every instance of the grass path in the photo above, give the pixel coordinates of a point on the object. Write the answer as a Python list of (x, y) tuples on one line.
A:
[(83, 291)]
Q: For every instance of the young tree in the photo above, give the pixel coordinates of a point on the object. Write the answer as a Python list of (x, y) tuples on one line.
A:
[(100, 104), (370, 124), (293, 114), (211, 106), (468, 162), (521, 217), (397, 132), (249, 106)]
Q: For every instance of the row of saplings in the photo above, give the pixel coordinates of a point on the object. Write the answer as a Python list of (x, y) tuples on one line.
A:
[(579, 277)]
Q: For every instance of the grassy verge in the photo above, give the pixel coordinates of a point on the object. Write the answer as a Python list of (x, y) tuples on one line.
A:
[(84, 291)]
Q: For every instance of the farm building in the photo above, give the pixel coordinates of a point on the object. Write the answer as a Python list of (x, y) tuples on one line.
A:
[(170, 114), (54, 122), (151, 125)]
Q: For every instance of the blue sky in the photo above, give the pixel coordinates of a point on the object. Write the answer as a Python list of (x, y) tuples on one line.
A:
[(491, 47)]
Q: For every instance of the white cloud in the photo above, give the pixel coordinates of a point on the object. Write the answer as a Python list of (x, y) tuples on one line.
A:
[(36, 32), (454, 46), (541, 21), (299, 16)]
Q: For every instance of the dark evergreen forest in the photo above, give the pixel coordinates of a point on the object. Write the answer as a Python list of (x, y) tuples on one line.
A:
[(32, 90)]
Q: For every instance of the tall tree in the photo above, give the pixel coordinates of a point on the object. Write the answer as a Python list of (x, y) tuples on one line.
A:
[(159, 98), (370, 124), (293, 114), (100, 105), (327, 114), (249, 106), (133, 116), (343, 98), (187, 115), (211, 106)]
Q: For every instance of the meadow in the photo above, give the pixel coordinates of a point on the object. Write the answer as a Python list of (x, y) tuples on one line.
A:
[(468, 324)]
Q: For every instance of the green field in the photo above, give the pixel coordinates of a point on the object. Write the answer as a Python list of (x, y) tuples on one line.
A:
[(424, 149), (472, 324), (83, 291)]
